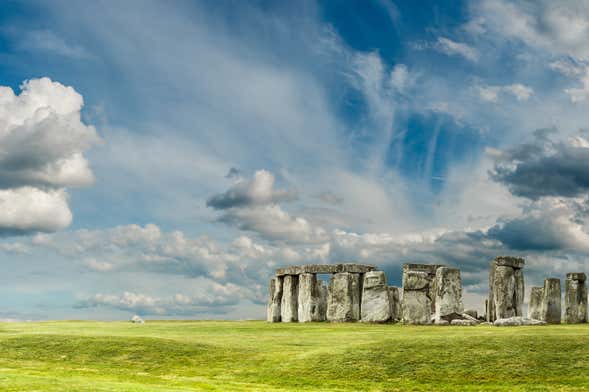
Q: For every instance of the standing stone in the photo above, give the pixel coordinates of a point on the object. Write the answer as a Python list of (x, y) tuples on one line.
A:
[(575, 298), (535, 305), (416, 307), (419, 290), (551, 301), (309, 300), (290, 294), (275, 299), (343, 301), (323, 293), (448, 294), (506, 288), (376, 305), (395, 303)]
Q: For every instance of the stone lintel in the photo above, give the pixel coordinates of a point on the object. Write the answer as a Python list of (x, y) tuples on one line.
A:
[(580, 276), (428, 268), (509, 261), (325, 269)]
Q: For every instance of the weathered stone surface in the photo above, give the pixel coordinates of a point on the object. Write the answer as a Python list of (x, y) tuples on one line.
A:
[(416, 280), (376, 305), (535, 305), (448, 298), (506, 288), (416, 307), (516, 321), (509, 261), (577, 276), (518, 274), (472, 313), (575, 298), (504, 291), (442, 322), (395, 301), (463, 322), (466, 316), (309, 301), (551, 301), (289, 303), (325, 269), (275, 289), (343, 303)]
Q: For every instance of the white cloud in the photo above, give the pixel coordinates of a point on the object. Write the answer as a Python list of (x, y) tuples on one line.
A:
[(452, 48), (28, 209), (48, 41), (42, 140), (582, 93), (491, 93)]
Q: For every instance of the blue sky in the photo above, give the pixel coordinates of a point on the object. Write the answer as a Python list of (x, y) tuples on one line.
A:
[(164, 158)]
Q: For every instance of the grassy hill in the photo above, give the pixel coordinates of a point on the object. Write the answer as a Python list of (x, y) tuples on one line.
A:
[(254, 356)]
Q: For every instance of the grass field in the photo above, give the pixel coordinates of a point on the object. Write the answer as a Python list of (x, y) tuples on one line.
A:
[(254, 356)]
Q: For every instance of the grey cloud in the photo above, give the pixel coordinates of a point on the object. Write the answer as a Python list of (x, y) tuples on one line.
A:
[(545, 168), (256, 192), (330, 198)]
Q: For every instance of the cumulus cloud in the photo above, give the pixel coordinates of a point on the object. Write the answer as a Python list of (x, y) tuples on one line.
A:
[(545, 167), (452, 48), (215, 298), (259, 191), (42, 141)]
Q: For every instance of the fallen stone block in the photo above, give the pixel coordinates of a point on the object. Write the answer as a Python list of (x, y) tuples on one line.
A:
[(468, 323), (517, 321), (472, 313)]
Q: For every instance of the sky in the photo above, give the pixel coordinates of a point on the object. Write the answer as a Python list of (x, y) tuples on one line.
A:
[(164, 158)]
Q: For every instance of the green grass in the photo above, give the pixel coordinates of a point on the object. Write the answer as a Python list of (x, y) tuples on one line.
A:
[(255, 356)]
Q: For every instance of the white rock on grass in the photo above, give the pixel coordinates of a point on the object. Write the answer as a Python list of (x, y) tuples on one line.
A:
[(137, 320), (517, 321)]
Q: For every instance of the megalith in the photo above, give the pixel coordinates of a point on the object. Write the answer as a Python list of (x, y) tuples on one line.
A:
[(575, 298), (506, 288), (448, 300), (551, 301), (343, 299), (375, 306), (535, 305), (310, 307), (290, 294), (275, 289), (395, 302), (418, 302)]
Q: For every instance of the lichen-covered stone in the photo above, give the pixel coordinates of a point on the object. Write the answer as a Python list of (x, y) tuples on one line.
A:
[(324, 269), (275, 291), (504, 291), (309, 301), (510, 261), (535, 304), (343, 303), (506, 288), (575, 298), (448, 298), (416, 307), (517, 321), (376, 305), (551, 301), (289, 303), (395, 301), (416, 280)]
